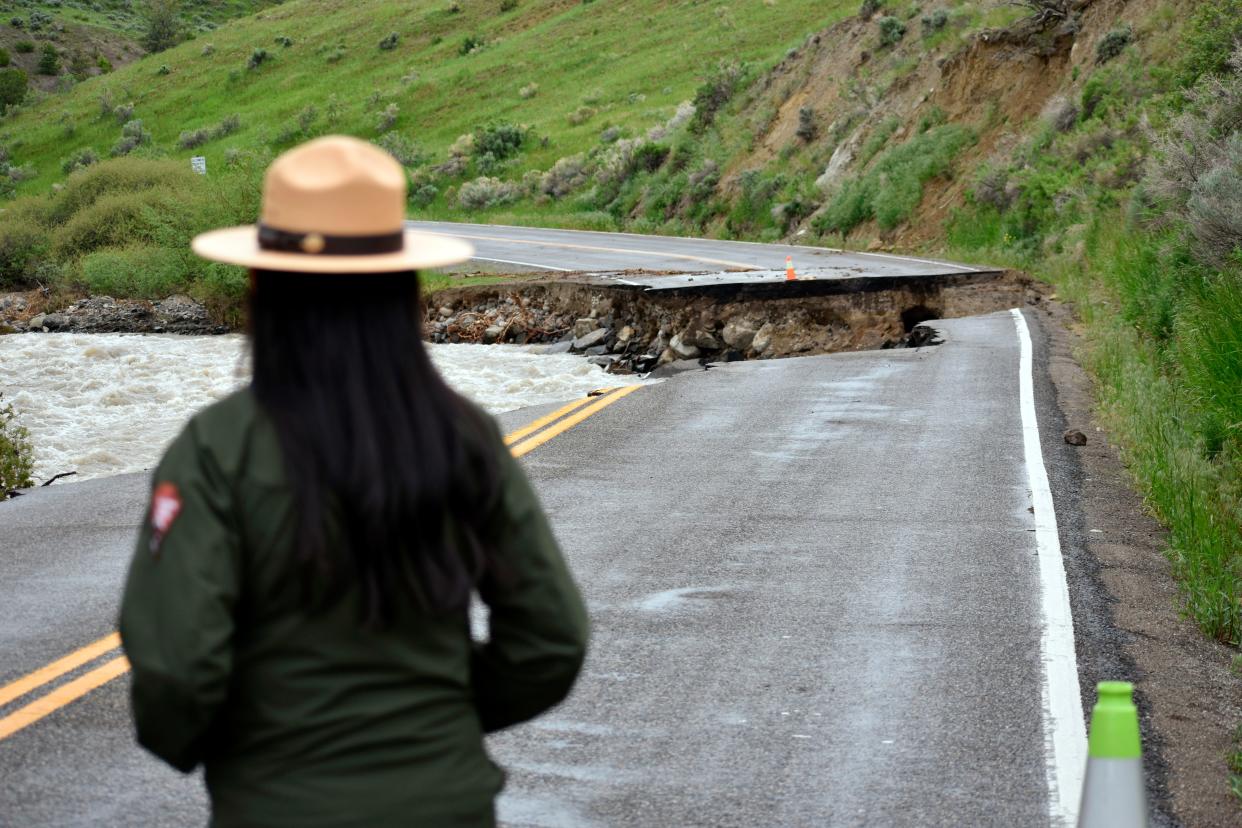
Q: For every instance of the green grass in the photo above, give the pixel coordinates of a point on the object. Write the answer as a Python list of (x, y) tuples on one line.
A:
[(579, 54), (125, 16)]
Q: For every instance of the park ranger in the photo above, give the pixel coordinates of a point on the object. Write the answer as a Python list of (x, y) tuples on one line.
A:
[(296, 612)]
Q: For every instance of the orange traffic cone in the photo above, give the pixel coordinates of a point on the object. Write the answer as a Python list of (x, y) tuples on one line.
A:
[(789, 271)]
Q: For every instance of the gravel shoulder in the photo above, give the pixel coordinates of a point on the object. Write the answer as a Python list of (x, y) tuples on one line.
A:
[(1126, 605)]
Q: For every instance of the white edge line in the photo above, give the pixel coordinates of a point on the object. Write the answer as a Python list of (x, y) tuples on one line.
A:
[(783, 248), (1065, 738), (523, 264)]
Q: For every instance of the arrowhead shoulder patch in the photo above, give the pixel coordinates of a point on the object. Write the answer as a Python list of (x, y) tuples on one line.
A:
[(165, 506)]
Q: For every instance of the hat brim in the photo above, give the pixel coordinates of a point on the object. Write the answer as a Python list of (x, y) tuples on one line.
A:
[(240, 246)]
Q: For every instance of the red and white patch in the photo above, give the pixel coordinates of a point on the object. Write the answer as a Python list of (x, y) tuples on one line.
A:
[(165, 506)]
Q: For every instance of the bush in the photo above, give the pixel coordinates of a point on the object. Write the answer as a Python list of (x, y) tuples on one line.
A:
[(501, 140), (257, 58), (508, 5), (716, 91), (469, 44), (162, 27), (49, 60), (229, 125), (407, 153), (23, 243), (1113, 43), (808, 128), (935, 21), (16, 453), (133, 135), (528, 91), (163, 70), (284, 40), (137, 272), (565, 176), (484, 192), (1212, 34), (423, 194), (5, 58), (581, 115), (868, 8), (123, 175), (13, 86), (189, 139), (892, 30), (386, 119), (80, 160), (389, 42), (103, 64), (209, 49), (24, 47)]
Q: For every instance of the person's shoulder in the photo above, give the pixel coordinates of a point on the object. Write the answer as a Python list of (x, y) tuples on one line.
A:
[(223, 432)]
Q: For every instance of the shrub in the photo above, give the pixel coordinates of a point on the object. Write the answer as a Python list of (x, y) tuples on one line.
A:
[(1113, 43), (138, 272), (5, 58), (649, 157), (284, 40), (80, 160), (307, 118), (501, 140), (189, 139), (869, 7), (335, 55), (133, 135), (423, 194), (469, 44), (716, 91), (1214, 208), (16, 453), (565, 176), (892, 30), (581, 115), (508, 5), (123, 113), (257, 58), (808, 127), (484, 192), (24, 47), (227, 126), (528, 91), (103, 64), (387, 118), (389, 42), (13, 85), (1212, 34), (163, 70), (935, 21), (407, 153), (208, 49), (162, 27), (23, 242), (454, 7), (49, 60)]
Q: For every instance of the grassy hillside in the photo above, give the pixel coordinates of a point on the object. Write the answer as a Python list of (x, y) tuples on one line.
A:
[(573, 58)]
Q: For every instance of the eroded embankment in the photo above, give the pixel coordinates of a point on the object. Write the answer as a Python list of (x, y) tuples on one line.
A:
[(627, 328)]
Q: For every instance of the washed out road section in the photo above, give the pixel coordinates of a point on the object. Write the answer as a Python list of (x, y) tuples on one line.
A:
[(814, 591)]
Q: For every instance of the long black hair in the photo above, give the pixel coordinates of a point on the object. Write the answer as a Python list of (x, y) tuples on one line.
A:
[(392, 471)]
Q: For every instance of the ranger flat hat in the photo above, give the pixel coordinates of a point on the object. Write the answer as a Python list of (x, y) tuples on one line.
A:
[(332, 205)]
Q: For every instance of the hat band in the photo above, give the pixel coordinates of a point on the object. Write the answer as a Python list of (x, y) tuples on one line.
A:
[(322, 244)]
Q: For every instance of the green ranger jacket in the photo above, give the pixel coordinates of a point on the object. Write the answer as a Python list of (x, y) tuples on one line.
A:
[(310, 719)]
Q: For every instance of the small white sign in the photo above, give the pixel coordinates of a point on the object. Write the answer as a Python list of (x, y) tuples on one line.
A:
[(199, 164)]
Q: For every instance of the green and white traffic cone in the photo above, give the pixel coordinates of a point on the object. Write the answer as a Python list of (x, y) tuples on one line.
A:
[(1113, 794)]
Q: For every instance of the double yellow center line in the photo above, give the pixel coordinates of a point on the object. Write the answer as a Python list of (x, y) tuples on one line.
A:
[(520, 442)]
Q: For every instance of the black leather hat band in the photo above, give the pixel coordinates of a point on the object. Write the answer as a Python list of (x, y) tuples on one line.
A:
[(322, 244)]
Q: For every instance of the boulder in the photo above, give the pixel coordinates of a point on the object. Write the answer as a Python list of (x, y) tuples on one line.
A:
[(683, 349), (738, 334), (584, 326), (590, 339), (36, 322), (625, 334), (492, 334), (446, 312), (762, 339), (701, 338)]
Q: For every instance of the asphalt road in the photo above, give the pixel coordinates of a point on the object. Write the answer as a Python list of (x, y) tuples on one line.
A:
[(535, 249), (814, 586)]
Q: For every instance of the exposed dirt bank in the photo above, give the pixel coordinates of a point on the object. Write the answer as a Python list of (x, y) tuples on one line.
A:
[(629, 329), (34, 312), (1126, 606)]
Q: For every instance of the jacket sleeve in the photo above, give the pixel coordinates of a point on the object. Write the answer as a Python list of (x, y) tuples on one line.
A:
[(177, 611), (538, 623)]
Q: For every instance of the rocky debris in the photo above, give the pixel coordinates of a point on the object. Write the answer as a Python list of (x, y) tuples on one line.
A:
[(634, 331), (102, 314), (1075, 437)]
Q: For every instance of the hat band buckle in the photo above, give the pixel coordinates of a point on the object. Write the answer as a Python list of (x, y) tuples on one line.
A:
[(323, 244)]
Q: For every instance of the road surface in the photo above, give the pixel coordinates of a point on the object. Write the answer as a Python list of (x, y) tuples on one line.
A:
[(817, 590), (727, 262)]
